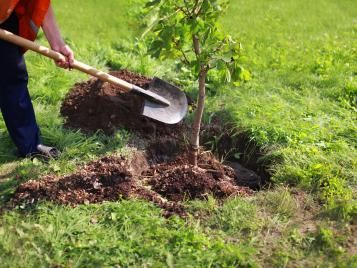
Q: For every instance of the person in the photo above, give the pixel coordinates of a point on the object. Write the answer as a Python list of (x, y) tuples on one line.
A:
[(24, 18)]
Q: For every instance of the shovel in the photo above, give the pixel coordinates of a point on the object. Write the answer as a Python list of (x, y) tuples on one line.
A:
[(163, 101)]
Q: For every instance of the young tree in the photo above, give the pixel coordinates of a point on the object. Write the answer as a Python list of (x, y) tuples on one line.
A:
[(190, 30)]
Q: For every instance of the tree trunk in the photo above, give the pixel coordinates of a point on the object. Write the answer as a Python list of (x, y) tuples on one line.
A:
[(196, 127)]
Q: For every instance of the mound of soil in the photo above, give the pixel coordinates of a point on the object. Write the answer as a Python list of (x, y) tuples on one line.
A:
[(114, 178), (178, 180), (95, 105), (107, 179)]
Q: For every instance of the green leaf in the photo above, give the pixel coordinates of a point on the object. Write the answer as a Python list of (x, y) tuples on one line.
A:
[(113, 216), (245, 75), (152, 3), (56, 168)]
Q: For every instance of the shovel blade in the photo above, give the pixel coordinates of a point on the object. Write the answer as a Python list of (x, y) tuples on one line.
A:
[(168, 114)]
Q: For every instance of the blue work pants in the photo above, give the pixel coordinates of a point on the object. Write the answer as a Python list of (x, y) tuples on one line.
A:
[(15, 101)]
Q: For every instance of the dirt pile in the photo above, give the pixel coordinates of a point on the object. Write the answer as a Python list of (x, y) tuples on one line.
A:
[(107, 179), (177, 180), (95, 105), (113, 178), (178, 183)]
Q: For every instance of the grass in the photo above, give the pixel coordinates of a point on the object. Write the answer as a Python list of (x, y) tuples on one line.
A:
[(241, 232), (299, 106), (302, 97), (126, 234)]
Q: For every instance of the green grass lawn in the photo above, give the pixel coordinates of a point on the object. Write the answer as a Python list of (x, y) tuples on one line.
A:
[(299, 107), (303, 94)]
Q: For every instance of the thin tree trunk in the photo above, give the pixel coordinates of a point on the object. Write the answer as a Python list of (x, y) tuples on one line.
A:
[(196, 127)]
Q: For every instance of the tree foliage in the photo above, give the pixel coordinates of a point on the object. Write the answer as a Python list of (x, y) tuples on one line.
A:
[(190, 30), (176, 23)]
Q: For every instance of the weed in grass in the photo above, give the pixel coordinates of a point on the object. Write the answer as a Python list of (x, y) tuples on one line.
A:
[(203, 208), (236, 217), (280, 202), (326, 241)]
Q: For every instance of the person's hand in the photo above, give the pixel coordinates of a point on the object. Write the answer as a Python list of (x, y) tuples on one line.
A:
[(56, 41), (66, 51)]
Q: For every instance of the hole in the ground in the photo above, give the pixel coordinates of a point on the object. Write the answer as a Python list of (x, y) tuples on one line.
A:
[(165, 149), (236, 149)]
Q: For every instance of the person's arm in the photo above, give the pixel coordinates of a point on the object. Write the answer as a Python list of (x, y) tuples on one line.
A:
[(55, 39)]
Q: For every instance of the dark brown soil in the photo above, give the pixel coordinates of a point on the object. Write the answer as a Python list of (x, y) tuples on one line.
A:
[(107, 179), (178, 180), (94, 105), (114, 178)]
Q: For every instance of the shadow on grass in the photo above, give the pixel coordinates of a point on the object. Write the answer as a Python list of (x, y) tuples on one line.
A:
[(6, 190), (8, 162), (7, 149), (9, 180)]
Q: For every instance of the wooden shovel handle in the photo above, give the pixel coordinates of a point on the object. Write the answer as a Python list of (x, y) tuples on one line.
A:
[(22, 42)]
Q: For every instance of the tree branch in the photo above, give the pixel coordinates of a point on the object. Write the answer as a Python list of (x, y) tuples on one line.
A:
[(197, 8), (186, 12), (196, 45), (185, 58)]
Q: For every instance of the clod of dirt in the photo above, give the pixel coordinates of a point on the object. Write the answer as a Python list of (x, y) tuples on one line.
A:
[(169, 208), (187, 182), (246, 177), (95, 105), (138, 163)]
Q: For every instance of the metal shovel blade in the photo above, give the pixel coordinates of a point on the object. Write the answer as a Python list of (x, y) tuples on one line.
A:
[(168, 114)]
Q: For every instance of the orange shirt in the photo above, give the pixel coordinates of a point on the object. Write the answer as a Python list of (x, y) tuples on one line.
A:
[(6, 8), (30, 13)]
